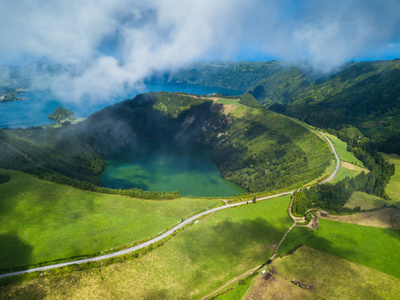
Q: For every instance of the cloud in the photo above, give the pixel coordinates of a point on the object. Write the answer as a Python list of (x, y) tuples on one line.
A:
[(113, 44)]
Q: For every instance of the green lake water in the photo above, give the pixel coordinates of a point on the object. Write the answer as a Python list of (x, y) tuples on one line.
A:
[(168, 166)]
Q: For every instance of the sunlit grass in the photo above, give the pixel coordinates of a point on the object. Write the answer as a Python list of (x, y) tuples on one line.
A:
[(43, 221)]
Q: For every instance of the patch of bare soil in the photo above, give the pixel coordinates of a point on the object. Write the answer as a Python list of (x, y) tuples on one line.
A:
[(348, 165), (353, 167), (275, 287), (384, 218)]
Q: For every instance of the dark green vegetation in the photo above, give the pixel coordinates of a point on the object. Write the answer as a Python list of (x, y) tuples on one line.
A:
[(334, 197), (42, 221), (363, 94), (4, 177), (370, 246), (61, 114), (197, 261), (254, 148)]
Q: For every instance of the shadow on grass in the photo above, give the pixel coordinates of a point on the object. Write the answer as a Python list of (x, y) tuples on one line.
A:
[(229, 240), (13, 251)]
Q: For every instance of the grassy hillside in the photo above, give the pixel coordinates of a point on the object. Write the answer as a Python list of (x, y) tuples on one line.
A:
[(367, 202), (264, 150), (328, 277), (393, 188), (385, 218), (43, 221), (341, 149), (373, 247), (192, 264)]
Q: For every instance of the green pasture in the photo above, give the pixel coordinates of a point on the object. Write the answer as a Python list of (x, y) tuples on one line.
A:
[(341, 149), (43, 221), (367, 202), (344, 172), (331, 277), (238, 290), (393, 188), (373, 247), (229, 101), (196, 262)]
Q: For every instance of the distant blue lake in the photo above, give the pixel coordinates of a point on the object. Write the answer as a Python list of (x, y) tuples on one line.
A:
[(40, 104)]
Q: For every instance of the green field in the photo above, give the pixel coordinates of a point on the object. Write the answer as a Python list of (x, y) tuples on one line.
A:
[(229, 101), (341, 149), (43, 221), (373, 247), (238, 290), (344, 172), (192, 264), (393, 188), (331, 277), (367, 202)]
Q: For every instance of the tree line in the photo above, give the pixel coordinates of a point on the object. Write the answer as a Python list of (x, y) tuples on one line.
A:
[(87, 186), (333, 197)]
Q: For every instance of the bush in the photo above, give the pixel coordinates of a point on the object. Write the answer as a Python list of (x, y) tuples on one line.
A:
[(4, 178)]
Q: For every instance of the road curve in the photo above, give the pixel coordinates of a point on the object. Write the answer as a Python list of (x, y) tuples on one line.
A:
[(336, 156), (162, 236)]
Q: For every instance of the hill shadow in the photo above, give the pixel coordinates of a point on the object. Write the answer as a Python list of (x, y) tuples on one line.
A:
[(230, 238), (13, 252)]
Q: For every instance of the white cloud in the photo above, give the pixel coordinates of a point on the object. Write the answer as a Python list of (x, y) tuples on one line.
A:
[(157, 35)]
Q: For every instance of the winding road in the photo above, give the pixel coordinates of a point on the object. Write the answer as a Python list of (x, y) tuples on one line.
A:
[(165, 234)]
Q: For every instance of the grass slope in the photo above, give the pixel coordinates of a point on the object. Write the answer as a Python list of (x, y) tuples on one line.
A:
[(238, 290), (328, 276), (348, 170), (270, 162), (393, 188), (192, 264), (43, 221), (370, 246), (384, 218), (341, 149), (367, 202)]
